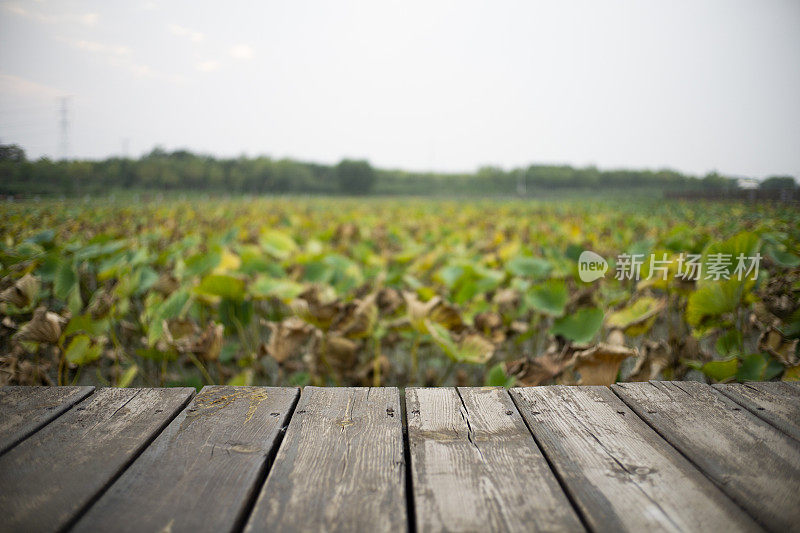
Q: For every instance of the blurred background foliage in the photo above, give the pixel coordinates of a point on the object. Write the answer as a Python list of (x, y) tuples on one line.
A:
[(144, 290)]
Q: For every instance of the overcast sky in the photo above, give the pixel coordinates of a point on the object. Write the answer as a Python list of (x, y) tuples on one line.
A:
[(690, 85)]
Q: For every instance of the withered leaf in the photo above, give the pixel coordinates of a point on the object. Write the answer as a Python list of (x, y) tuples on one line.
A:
[(389, 300), (435, 310), (22, 292), (507, 301), (782, 349), (341, 352), (358, 318), (287, 336), (655, 357), (310, 307), (209, 345), (45, 326), (490, 324), (530, 372), (166, 284), (599, 365)]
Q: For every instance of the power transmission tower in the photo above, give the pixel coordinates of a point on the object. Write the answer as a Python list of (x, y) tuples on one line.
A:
[(64, 126)]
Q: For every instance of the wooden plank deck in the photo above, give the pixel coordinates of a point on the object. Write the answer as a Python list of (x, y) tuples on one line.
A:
[(658, 456)]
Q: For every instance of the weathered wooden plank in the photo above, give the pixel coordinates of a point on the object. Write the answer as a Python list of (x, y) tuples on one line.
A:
[(204, 470), (777, 402), (619, 472), (50, 477), (754, 463), (340, 467), (24, 410), (476, 467)]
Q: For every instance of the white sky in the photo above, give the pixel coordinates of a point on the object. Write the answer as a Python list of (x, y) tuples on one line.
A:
[(691, 85)]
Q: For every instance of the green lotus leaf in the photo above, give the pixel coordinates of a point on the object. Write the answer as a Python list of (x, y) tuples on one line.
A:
[(712, 300), (549, 297), (579, 327), (222, 285), (277, 243), (82, 350), (636, 318), (529, 267)]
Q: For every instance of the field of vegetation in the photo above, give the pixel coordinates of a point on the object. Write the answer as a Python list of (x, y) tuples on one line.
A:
[(290, 290)]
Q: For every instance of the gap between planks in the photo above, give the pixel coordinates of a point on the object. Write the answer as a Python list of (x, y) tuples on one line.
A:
[(57, 473), (755, 463)]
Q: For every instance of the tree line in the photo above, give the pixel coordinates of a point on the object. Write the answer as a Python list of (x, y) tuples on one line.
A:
[(182, 170)]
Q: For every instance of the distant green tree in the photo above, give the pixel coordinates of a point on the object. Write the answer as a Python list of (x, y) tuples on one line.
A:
[(12, 152), (778, 182), (355, 177), (185, 170), (714, 180)]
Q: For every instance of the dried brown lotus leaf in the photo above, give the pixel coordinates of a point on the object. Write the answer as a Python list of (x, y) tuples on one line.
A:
[(209, 345), (488, 321), (475, 348), (538, 370), (358, 318), (507, 300), (775, 344), (447, 315), (435, 310), (181, 328), (519, 327), (655, 357), (101, 304), (346, 232), (616, 338), (599, 365), (418, 311), (166, 284), (45, 326), (287, 336), (15, 371), (22, 292), (389, 300), (310, 307), (341, 352), (779, 296), (490, 324)]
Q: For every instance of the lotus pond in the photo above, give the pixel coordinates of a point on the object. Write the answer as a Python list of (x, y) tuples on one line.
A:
[(339, 291)]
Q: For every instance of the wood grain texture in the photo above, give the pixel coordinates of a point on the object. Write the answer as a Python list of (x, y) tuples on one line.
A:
[(340, 467), (754, 463), (24, 410), (777, 402), (204, 470), (476, 467), (619, 472), (50, 477)]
